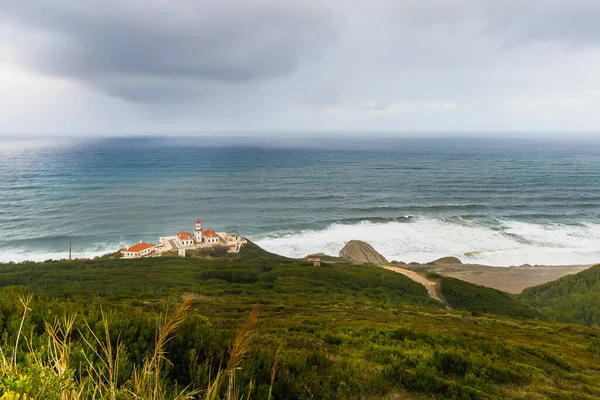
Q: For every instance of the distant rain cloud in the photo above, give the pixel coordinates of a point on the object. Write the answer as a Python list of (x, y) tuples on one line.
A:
[(122, 66)]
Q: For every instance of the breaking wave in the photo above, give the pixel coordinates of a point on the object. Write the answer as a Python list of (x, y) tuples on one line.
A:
[(21, 254), (503, 243)]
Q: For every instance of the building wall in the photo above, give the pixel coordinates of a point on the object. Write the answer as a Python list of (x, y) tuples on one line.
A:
[(235, 249), (187, 242), (129, 254)]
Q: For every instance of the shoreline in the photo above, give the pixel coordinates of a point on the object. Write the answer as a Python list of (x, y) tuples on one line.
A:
[(512, 279)]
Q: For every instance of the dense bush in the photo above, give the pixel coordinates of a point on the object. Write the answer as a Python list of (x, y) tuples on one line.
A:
[(466, 296), (345, 331), (215, 251), (573, 298), (234, 276)]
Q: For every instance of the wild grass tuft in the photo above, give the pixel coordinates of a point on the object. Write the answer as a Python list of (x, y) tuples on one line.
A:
[(46, 372), (239, 348)]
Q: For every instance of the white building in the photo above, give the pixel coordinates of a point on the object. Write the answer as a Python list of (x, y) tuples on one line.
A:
[(234, 241), (201, 238), (185, 239), (234, 247), (137, 250), (210, 237), (232, 237)]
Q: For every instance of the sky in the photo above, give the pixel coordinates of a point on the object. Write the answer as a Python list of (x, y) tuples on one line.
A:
[(120, 67)]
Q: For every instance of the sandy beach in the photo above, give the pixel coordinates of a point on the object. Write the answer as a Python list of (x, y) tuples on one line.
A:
[(509, 279)]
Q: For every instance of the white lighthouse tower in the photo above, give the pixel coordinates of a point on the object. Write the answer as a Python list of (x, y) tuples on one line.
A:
[(198, 231)]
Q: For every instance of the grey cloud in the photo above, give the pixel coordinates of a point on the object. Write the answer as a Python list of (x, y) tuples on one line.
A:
[(147, 50), (571, 23), (335, 64)]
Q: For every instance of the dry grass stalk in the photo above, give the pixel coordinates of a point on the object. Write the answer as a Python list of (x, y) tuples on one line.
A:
[(274, 370), (146, 383), (102, 371), (241, 343), (106, 377), (59, 350), (8, 366), (239, 348)]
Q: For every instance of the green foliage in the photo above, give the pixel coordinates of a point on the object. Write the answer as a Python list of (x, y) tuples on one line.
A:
[(234, 276), (573, 298), (595, 348), (252, 252), (345, 331), (143, 281), (215, 251), (466, 296)]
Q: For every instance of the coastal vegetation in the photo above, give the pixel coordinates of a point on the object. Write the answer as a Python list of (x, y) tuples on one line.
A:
[(573, 298), (461, 295), (262, 326)]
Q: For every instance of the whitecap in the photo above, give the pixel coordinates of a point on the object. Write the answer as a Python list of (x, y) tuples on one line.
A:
[(427, 239)]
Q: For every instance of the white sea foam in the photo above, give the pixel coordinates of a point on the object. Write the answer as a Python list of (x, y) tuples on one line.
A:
[(423, 240), (21, 254), (427, 239)]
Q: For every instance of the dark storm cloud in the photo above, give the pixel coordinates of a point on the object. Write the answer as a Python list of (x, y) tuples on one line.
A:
[(149, 50), (335, 64)]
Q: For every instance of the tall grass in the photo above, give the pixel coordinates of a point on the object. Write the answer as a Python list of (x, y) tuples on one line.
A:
[(146, 382), (239, 348), (45, 372)]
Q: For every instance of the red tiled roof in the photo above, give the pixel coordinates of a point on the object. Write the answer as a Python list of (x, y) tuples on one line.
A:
[(231, 246), (209, 233), (136, 248), (183, 235)]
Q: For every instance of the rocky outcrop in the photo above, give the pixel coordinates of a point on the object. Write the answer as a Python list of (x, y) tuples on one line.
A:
[(446, 261), (361, 252)]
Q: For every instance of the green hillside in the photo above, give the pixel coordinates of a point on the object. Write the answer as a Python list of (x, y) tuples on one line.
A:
[(251, 251), (344, 332), (461, 295), (573, 298)]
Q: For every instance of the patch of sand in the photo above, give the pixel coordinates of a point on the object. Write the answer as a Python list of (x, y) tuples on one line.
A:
[(507, 279)]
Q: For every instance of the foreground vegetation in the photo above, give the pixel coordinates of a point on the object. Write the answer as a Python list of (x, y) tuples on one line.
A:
[(573, 298), (341, 331)]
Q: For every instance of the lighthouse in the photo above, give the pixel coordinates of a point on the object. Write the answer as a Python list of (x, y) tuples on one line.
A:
[(198, 231)]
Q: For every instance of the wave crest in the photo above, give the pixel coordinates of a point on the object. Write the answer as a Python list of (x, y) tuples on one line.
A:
[(497, 243)]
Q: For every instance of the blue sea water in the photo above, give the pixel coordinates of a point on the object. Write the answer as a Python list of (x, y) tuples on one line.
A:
[(500, 202)]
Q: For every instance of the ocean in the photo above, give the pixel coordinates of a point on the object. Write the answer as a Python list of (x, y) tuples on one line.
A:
[(492, 201)]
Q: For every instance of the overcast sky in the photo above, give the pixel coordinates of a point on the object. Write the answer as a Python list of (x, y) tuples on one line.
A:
[(145, 66)]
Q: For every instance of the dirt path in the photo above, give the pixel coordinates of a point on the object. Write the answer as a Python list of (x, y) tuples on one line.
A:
[(417, 278)]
